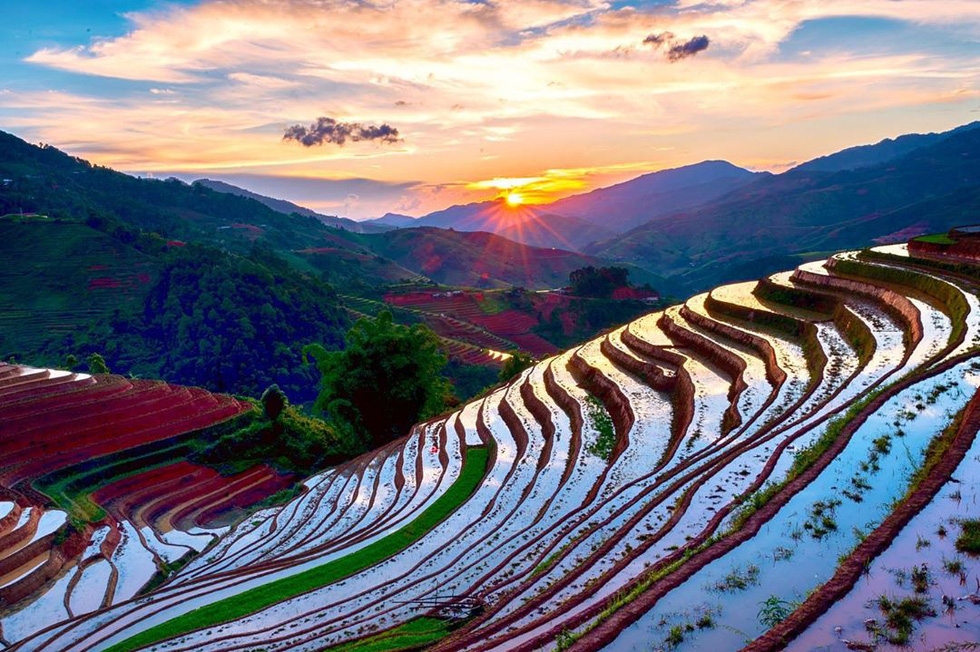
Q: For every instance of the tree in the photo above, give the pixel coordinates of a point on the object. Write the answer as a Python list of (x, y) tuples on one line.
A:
[(515, 364), (274, 401), (97, 365), (385, 380)]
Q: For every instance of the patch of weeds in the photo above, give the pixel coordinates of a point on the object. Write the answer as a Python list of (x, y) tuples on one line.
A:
[(900, 618), (706, 621), (676, 636), (955, 567), (774, 611), (781, 553), (549, 561), (883, 444), (738, 579), (821, 520), (969, 539), (921, 578), (565, 639), (859, 534), (603, 424)]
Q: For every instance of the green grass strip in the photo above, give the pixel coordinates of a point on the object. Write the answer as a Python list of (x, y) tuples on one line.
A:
[(412, 635), (936, 238), (261, 597)]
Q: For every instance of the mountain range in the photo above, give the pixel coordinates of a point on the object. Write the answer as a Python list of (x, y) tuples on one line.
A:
[(691, 227), (778, 219), (713, 222)]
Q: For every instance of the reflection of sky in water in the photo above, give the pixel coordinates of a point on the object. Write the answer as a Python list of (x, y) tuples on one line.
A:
[(812, 561)]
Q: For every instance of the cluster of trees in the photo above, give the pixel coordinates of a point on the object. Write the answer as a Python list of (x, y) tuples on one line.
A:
[(598, 283), (280, 434), (383, 381), (387, 378), (234, 324), (221, 321)]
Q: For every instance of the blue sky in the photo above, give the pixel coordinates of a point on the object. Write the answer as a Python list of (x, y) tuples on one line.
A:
[(551, 96)]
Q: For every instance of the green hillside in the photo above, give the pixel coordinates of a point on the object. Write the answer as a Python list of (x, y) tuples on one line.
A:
[(59, 276)]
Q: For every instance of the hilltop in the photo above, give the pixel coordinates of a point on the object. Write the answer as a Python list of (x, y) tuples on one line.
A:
[(289, 208)]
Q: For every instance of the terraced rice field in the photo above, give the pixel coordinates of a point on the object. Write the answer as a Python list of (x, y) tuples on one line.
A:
[(92, 506), (767, 465), (87, 276), (462, 317)]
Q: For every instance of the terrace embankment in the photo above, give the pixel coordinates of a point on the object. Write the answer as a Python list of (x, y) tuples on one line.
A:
[(761, 346), (897, 305), (611, 395), (62, 555), (731, 365), (648, 372), (778, 323), (682, 391), (825, 306)]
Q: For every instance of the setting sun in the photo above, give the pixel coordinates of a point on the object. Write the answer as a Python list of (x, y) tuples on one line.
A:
[(514, 199)]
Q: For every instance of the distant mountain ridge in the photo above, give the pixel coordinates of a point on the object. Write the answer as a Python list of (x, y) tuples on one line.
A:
[(778, 219), (395, 220), (288, 208), (627, 205), (530, 225), (576, 221), (883, 151), (634, 204)]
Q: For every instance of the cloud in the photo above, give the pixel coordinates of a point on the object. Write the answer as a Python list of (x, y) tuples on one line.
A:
[(677, 51), (329, 130), (688, 49), (656, 40)]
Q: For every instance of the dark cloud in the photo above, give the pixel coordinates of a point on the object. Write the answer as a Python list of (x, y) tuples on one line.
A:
[(677, 51), (328, 130), (689, 49), (656, 40)]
